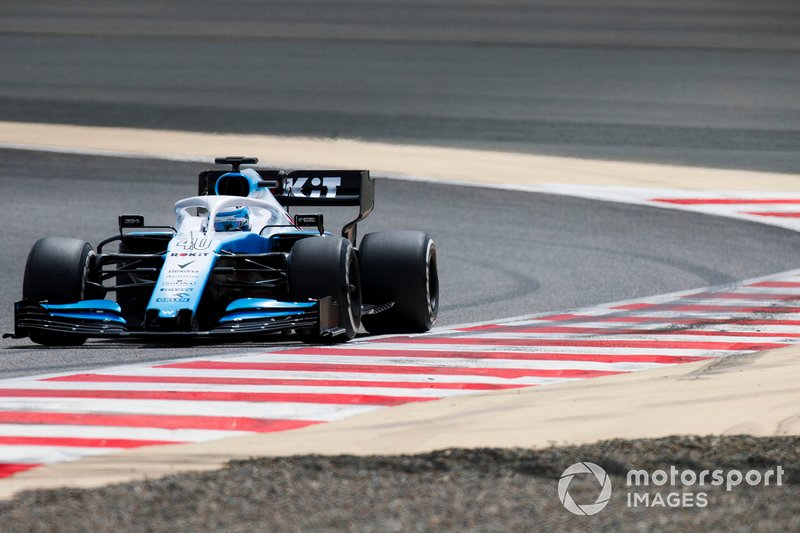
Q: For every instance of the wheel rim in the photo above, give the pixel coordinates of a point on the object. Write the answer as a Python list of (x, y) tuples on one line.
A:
[(432, 281), (353, 291)]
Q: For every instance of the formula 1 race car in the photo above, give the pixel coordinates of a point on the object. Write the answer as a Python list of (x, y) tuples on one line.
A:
[(235, 264)]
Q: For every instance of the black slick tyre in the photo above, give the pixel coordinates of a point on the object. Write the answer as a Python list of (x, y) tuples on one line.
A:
[(400, 267), (57, 272), (327, 266)]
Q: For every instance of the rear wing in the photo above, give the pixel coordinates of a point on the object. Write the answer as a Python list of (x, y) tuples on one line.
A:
[(317, 188)]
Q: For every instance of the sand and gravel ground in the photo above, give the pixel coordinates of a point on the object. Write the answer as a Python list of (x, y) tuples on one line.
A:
[(451, 490)]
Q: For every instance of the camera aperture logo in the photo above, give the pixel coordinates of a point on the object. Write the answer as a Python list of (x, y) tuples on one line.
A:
[(602, 498)]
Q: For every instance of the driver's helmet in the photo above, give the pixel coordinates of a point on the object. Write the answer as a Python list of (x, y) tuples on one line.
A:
[(236, 220)]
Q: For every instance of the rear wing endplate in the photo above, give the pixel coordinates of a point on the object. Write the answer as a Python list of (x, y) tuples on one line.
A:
[(313, 188)]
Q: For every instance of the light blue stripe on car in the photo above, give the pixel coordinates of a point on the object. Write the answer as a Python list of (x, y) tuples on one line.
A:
[(86, 305), (99, 317), (266, 303), (256, 315)]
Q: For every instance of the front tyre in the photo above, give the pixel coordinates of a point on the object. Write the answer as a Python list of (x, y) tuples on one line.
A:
[(400, 267), (327, 266), (57, 271)]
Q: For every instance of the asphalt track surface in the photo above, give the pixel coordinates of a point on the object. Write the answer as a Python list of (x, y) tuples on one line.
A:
[(502, 253), (703, 82)]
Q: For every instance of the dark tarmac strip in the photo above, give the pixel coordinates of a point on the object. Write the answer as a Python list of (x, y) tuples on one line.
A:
[(699, 82)]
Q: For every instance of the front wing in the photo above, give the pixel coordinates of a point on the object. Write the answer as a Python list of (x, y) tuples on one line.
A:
[(102, 319)]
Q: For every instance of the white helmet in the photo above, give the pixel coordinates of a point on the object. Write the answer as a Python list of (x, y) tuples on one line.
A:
[(236, 220)]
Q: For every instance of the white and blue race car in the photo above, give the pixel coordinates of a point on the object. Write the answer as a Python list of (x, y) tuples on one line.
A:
[(235, 264)]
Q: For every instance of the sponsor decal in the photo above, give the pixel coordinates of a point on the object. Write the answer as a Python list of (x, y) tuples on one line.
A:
[(325, 187), (199, 243), (189, 254), (180, 273), (131, 221), (308, 220), (172, 300)]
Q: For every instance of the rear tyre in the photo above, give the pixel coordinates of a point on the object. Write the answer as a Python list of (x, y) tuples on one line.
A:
[(400, 267), (327, 266), (57, 271)]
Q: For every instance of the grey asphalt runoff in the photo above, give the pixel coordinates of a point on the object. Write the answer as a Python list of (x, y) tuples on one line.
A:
[(699, 82), (449, 490), (502, 253)]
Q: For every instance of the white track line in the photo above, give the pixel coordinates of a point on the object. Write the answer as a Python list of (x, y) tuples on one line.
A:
[(114, 432), (205, 387), (329, 376), (265, 410), (31, 454)]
